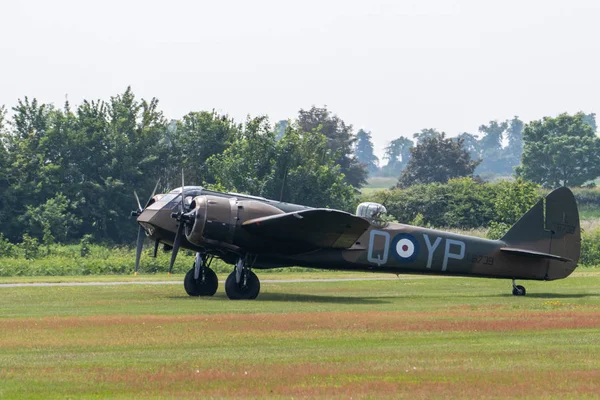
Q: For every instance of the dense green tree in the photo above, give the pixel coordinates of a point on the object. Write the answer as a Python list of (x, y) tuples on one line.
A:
[(308, 172), (96, 156), (298, 168), (4, 172), (514, 149), (591, 120), (494, 159), (247, 164), (24, 164), (124, 151), (499, 160), (561, 151), (364, 151), (437, 159), (30, 121), (492, 135), (280, 128), (426, 134), (512, 199), (397, 153), (471, 144), (340, 140), (55, 217), (197, 137)]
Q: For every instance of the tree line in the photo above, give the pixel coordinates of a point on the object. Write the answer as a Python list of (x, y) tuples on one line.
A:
[(553, 146), (70, 172)]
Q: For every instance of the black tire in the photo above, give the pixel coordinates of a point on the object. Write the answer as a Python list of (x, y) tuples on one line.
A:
[(206, 287), (239, 291), (519, 290)]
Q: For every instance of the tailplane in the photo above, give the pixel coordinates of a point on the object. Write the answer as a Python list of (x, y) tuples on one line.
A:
[(549, 230)]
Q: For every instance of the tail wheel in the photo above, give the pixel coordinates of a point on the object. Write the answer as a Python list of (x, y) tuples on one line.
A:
[(519, 290), (206, 284), (247, 289)]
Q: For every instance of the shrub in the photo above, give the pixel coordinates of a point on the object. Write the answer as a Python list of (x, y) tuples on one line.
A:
[(30, 247), (84, 245), (496, 230), (7, 249), (462, 203), (512, 199), (590, 248)]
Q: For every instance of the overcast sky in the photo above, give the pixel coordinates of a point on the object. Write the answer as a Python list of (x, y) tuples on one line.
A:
[(391, 67)]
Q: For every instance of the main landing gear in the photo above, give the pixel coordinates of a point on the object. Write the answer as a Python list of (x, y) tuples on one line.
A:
[(242, 283), (518, 290), (201, 280)]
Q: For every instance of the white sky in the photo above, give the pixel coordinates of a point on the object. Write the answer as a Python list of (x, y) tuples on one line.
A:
[(391, 67)]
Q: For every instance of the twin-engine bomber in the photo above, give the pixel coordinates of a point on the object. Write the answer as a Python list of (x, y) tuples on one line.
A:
[(254, 233)]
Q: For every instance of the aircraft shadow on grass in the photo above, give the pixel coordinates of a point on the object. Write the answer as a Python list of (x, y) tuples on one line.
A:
[(553, 295), (310, 298), (307, 298)]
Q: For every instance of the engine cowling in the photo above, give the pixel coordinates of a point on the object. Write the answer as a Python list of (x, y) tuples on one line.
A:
[(219, 219)]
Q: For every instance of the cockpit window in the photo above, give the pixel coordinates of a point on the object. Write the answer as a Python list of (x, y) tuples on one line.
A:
[(163, 201), (188, 189)]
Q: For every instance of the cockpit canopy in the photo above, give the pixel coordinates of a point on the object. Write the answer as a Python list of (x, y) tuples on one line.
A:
[(370, 210)]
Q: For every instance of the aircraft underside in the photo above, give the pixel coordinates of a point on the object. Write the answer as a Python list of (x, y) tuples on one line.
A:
[(243, 284)]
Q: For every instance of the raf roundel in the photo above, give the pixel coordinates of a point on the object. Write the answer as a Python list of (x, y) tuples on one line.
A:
[(406, 247)]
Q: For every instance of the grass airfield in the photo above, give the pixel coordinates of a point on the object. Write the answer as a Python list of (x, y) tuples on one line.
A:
[(423, 337)]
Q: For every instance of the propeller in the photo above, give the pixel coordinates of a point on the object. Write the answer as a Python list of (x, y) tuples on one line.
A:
[(140, 209), (138, 250), (156, 243), (140, 235), (154, 191), (181, 218)]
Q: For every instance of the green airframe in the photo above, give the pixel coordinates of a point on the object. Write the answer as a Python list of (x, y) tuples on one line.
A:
[(257, 233)]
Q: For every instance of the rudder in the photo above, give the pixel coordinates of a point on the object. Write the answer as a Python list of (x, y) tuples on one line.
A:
[(551, 226)]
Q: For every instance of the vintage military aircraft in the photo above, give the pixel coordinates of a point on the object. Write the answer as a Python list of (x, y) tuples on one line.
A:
[(257, 233)]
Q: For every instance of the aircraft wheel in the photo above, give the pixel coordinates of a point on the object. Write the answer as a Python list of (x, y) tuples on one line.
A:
[(239, 291), (519, 290), (199, 287)]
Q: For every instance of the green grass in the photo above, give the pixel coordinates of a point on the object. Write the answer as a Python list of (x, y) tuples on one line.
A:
[(378, 183), (420, 337), (589, 213)]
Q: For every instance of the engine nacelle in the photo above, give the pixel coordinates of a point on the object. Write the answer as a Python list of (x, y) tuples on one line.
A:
[(218, 219)]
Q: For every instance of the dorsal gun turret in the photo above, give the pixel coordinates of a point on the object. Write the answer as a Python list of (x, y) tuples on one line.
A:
[(370, 210)]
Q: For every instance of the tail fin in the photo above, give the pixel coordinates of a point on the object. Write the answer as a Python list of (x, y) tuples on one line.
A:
[(550, 229)]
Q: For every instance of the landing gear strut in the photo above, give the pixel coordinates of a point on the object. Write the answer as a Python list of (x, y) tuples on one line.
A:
[(242, 283), (518, 290), (201, 280)]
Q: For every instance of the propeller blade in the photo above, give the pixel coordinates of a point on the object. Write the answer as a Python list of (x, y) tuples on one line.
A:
[(138, 250), (140, 209), (154, 191), (156, 243), (176, 245), (182, 192)]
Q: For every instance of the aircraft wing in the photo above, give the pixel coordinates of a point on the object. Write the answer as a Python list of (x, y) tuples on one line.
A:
[(318, 228)]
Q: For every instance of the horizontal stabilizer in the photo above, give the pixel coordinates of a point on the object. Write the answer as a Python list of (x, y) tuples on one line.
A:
[(316, 228), (532, 253)]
